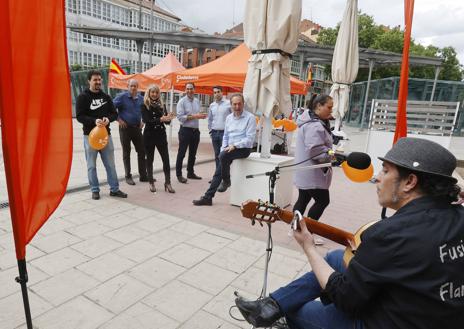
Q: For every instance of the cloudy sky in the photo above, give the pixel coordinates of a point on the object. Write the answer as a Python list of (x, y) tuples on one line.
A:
[(440, 23)]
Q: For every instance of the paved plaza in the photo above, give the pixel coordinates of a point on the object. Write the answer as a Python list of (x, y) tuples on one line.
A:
[(153, 260)]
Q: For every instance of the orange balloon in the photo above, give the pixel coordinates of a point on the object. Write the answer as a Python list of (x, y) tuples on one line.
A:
[(289, 125), (277, 123), (98, 138), (358, 175)]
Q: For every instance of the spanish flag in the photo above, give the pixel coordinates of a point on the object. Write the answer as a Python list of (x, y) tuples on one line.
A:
[(115, 68)]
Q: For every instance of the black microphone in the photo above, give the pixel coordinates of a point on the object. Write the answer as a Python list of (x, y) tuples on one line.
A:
[(356, 160)]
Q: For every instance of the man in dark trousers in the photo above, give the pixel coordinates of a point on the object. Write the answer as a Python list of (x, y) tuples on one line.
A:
[(95, 108), (188, 114), (239, 136), (129, 104), (408, 271)]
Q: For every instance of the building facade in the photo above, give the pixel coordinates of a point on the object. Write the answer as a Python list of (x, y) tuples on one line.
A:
[(92, 51)]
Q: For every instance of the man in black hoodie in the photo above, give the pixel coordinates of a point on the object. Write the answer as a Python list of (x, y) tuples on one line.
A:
[(95, 108)]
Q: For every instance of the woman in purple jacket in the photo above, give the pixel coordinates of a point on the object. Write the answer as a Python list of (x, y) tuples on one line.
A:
[(314, 140)]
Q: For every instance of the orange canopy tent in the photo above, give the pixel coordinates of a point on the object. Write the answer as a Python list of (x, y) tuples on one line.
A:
[(228, 71), (161, 74)]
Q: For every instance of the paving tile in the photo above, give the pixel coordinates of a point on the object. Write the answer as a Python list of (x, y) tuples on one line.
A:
[(54, 225), (155, 224), (166, 239), (5, 224), (9, 285), (54, 242), (156, 272), (185, 255), (64, 286), (142, 213), (232, 260), (138, 251), (202, 320), (107, 266), (141, 316), (208, 241), (189, 228), (224, 234), (118, 220), (220, 306), (127, 234), (119, 293), (88, 230), (252, 281), (83, 217), (282, 265), (78, 206), (249, 246), (209, 278), (78, 313), (59, 261), (116, 207), (96, 246), (12, 309), (177, 300)]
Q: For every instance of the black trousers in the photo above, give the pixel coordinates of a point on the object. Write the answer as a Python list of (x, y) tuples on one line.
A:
[(157, 139), (134, 135), (188, 138), (321, 201)]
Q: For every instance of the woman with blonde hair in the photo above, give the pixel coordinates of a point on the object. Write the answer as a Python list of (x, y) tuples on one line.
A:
[(155, 116)]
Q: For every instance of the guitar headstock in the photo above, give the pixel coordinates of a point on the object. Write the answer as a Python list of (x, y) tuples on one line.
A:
[(263, 212)]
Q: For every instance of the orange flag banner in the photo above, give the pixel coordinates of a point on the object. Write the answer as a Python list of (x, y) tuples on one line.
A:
[(401, 129), (35, 107), (115, 68)]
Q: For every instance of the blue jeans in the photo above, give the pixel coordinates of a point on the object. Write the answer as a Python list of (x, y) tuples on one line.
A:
[(107, 156), (297, 302), (216, 139)]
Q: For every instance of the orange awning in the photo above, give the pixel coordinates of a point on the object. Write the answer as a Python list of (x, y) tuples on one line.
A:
[(161, 74), (228, 71)]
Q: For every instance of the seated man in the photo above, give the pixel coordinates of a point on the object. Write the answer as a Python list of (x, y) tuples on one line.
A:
[(408, 271), (239, 135)]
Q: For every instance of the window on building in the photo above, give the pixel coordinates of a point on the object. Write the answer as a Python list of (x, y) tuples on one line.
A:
[(97, 9), (72, 6), (86, 7), (87, 38), (106, 11)]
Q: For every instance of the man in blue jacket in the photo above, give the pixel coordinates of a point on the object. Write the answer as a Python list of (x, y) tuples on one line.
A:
[(408, 271), (129, 104)]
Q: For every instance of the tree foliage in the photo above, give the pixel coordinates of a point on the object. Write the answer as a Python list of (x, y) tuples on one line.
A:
[(386, 38)]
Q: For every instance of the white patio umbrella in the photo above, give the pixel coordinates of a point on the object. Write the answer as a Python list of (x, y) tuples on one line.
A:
[(271, 29), (345, 62)]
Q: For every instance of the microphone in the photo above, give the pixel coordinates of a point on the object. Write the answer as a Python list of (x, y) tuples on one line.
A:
[(356, 160)]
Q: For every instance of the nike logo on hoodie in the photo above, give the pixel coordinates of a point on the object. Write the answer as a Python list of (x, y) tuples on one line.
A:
[(97, 103)]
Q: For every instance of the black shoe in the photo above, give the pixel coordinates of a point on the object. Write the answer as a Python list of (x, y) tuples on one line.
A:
[(182, 179), (145, 179), (203, 202), (260, 313), (95, 195), (118, 194), (224, 186), (130, 181), (193, 176)]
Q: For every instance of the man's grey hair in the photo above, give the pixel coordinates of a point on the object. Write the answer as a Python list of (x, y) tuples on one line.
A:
[(132, 81)]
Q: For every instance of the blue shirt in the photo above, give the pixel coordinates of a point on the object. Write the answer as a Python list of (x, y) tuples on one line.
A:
[(185, 107), (129, 108), (217, 114), (239, 131)]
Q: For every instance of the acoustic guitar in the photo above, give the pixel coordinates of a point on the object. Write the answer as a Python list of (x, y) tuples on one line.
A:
[(264, 212)]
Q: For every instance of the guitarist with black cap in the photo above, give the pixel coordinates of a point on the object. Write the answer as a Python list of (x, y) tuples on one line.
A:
[(408, 271)]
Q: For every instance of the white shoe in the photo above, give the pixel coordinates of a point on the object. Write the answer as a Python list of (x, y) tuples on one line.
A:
[(318, 241)]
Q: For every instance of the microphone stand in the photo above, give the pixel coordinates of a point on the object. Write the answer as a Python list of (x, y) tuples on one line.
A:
[(273, 176)]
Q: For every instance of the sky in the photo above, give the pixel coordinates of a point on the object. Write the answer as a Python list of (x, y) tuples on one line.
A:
[(440, 23)]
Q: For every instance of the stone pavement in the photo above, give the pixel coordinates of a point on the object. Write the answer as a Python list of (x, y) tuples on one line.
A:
[(154, 260)]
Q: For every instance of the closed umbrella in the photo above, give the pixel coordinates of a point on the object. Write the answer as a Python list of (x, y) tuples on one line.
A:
[(345, 62), (271, 29)]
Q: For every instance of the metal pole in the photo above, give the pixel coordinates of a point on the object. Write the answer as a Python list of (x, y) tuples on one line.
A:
[(22, 280), (366, 96), (437, 71), (140, 14), (150, 43), (171, 108)]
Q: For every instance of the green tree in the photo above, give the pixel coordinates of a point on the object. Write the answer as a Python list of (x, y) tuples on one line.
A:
[(75, 67), (451, 69)]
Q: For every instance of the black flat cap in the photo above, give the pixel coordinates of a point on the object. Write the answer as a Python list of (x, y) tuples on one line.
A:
[(422, 155)]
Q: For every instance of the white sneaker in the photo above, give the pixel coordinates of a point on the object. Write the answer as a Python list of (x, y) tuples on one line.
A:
[(318, 241)]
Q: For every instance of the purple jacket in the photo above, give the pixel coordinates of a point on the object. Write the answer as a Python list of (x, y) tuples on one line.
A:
[(313, 141)]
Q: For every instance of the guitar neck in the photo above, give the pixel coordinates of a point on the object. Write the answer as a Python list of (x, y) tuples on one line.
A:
[(329, 232)]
